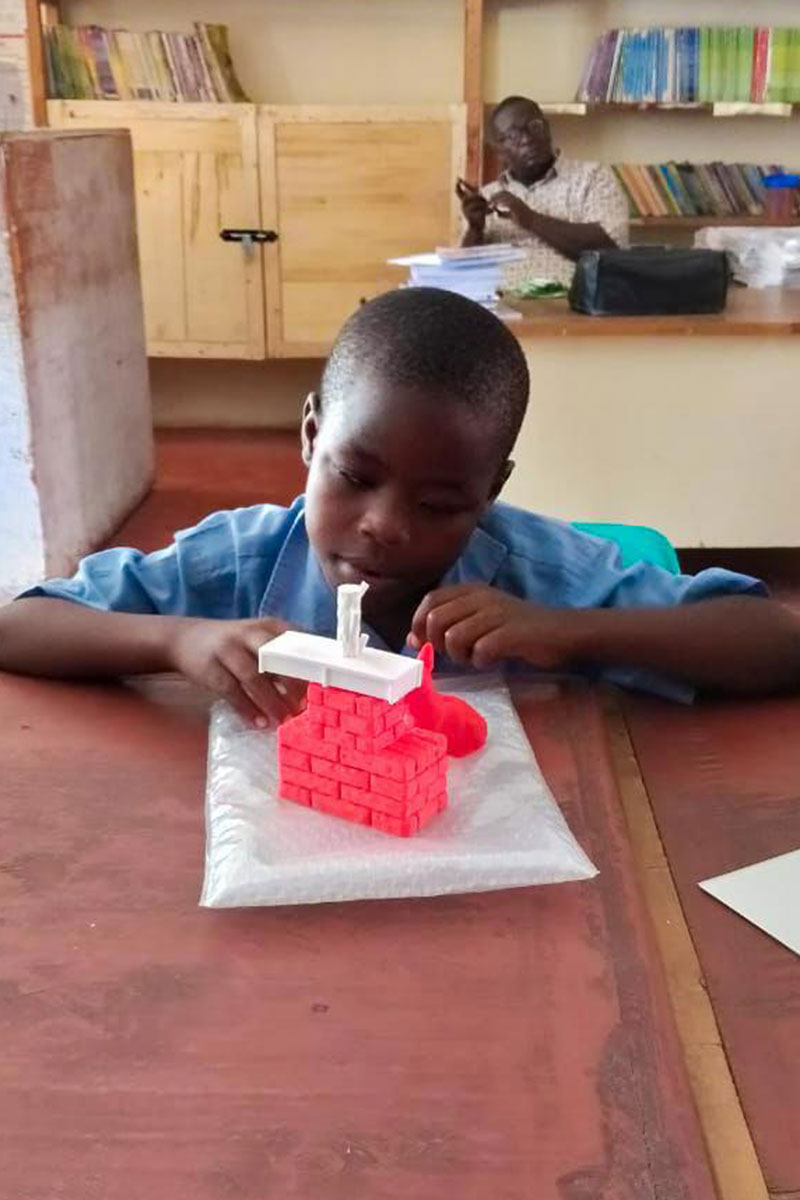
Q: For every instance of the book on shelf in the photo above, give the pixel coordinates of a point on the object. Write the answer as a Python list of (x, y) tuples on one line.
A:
[(694, 189), (87, 62), (693, 64)]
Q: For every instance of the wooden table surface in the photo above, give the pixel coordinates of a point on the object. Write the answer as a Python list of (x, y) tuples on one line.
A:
[(513, 1046), (750, 312), (724, 784)]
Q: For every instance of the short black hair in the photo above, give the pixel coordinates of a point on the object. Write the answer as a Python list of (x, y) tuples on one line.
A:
[(435, 340), (504, 105)]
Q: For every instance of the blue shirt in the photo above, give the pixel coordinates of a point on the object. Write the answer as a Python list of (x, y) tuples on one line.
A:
[(257, 562)]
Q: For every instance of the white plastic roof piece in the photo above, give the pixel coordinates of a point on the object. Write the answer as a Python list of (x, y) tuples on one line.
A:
[(320, 660)]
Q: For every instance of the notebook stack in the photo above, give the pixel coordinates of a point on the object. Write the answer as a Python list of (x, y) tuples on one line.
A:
[(475, 272)]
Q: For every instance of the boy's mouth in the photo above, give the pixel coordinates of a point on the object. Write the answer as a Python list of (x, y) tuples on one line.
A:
[(380, 579), (354, 571)]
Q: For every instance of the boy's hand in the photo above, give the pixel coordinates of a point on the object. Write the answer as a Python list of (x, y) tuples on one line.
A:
[(223, 657), (479, 625)]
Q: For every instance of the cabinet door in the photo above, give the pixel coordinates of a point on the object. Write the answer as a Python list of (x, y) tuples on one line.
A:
[(347, 189), (196, 173)]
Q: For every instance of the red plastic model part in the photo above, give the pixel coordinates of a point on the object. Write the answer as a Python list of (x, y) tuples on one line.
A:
[(364, 760), (376, 763), (463, 727)]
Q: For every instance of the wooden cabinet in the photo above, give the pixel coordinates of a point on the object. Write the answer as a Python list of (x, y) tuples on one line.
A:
[(344, 188), (347, 189), (196, 172)]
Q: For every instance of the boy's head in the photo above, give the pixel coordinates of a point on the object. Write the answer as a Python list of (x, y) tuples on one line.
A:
[(407, 442)]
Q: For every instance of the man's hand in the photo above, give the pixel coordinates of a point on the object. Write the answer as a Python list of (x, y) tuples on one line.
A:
[(478, 625), (506, 204), (223, 657), (473, 206)]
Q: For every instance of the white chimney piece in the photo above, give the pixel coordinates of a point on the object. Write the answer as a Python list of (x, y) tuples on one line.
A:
[(348, 619)]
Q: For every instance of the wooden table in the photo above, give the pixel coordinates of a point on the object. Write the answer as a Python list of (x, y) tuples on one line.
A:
[(512, 1046), (750, 312), (723, 781)]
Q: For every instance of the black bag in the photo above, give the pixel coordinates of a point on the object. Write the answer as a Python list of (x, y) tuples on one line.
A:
[(650, 281)]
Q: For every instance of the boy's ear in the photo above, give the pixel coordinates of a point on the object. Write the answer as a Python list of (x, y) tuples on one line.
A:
[(309, 427), (501, 479)]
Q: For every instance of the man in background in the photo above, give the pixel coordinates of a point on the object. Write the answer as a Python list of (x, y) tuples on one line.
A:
[(555, 207)]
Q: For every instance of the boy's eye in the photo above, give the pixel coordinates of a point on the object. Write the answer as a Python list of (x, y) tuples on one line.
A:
[(352, 478), (442, 510)]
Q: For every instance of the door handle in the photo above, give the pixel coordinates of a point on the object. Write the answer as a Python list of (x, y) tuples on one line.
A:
[(248, 236)]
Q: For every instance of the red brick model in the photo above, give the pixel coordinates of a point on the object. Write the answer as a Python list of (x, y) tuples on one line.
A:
[(363, 759), (372, 744)]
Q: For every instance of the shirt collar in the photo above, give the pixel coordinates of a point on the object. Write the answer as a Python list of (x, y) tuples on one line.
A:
[(299, 593), (506, 177)]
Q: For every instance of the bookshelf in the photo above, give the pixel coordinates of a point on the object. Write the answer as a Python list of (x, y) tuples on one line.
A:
[(483, 49), (723, 109), (691, 223)]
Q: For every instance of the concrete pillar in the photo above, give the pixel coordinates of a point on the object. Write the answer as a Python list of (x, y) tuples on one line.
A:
[(76, 447)]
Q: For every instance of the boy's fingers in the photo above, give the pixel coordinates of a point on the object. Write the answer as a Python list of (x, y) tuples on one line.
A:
[(293, 690), (488, 650), (243, 665), (460, 639), (441, 618), (432, 601), (224, 684), (256, 633)]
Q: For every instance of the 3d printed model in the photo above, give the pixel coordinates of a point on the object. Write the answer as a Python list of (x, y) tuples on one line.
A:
[(372, 743)]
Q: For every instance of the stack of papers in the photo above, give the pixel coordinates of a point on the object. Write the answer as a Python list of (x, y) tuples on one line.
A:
[(474, 272)]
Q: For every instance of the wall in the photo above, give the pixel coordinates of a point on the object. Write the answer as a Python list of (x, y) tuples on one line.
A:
[(696, 436), (15, 110), (21, 539), (233, 394)]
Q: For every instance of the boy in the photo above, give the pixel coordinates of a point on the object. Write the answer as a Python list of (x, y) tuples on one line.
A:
[(407, 447)]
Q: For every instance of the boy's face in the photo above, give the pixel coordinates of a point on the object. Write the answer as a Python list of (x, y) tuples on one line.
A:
[(397, 481)]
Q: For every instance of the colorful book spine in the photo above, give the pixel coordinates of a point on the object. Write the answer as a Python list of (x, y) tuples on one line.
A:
[(691, 190), (779, 83), (90, 63), (692, 64)]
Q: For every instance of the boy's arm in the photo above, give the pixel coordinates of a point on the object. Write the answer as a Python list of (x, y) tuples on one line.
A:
[(44, 636), (59, 638), (734, 644)]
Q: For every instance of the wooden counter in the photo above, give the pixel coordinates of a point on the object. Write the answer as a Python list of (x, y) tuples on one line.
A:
[(765, 312), (688, 424)]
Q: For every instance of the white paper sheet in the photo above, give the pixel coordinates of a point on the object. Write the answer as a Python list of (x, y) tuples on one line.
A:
[(767, 894)]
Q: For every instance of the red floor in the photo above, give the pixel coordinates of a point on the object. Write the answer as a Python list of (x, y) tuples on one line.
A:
[(200, 471)]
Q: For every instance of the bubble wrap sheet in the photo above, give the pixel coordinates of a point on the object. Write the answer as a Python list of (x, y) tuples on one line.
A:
[(502, 827)]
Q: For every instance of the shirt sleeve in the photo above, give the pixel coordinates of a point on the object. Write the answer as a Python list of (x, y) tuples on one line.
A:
[(604, 203), (644, 586), (218, 568)]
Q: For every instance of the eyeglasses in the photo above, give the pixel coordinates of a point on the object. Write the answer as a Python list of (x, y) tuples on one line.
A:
[(515, 133)]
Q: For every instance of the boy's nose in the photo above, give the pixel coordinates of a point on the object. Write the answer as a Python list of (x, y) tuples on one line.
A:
[(386, 524)]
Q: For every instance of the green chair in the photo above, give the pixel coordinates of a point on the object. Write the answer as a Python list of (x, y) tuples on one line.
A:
[(637, 543)]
